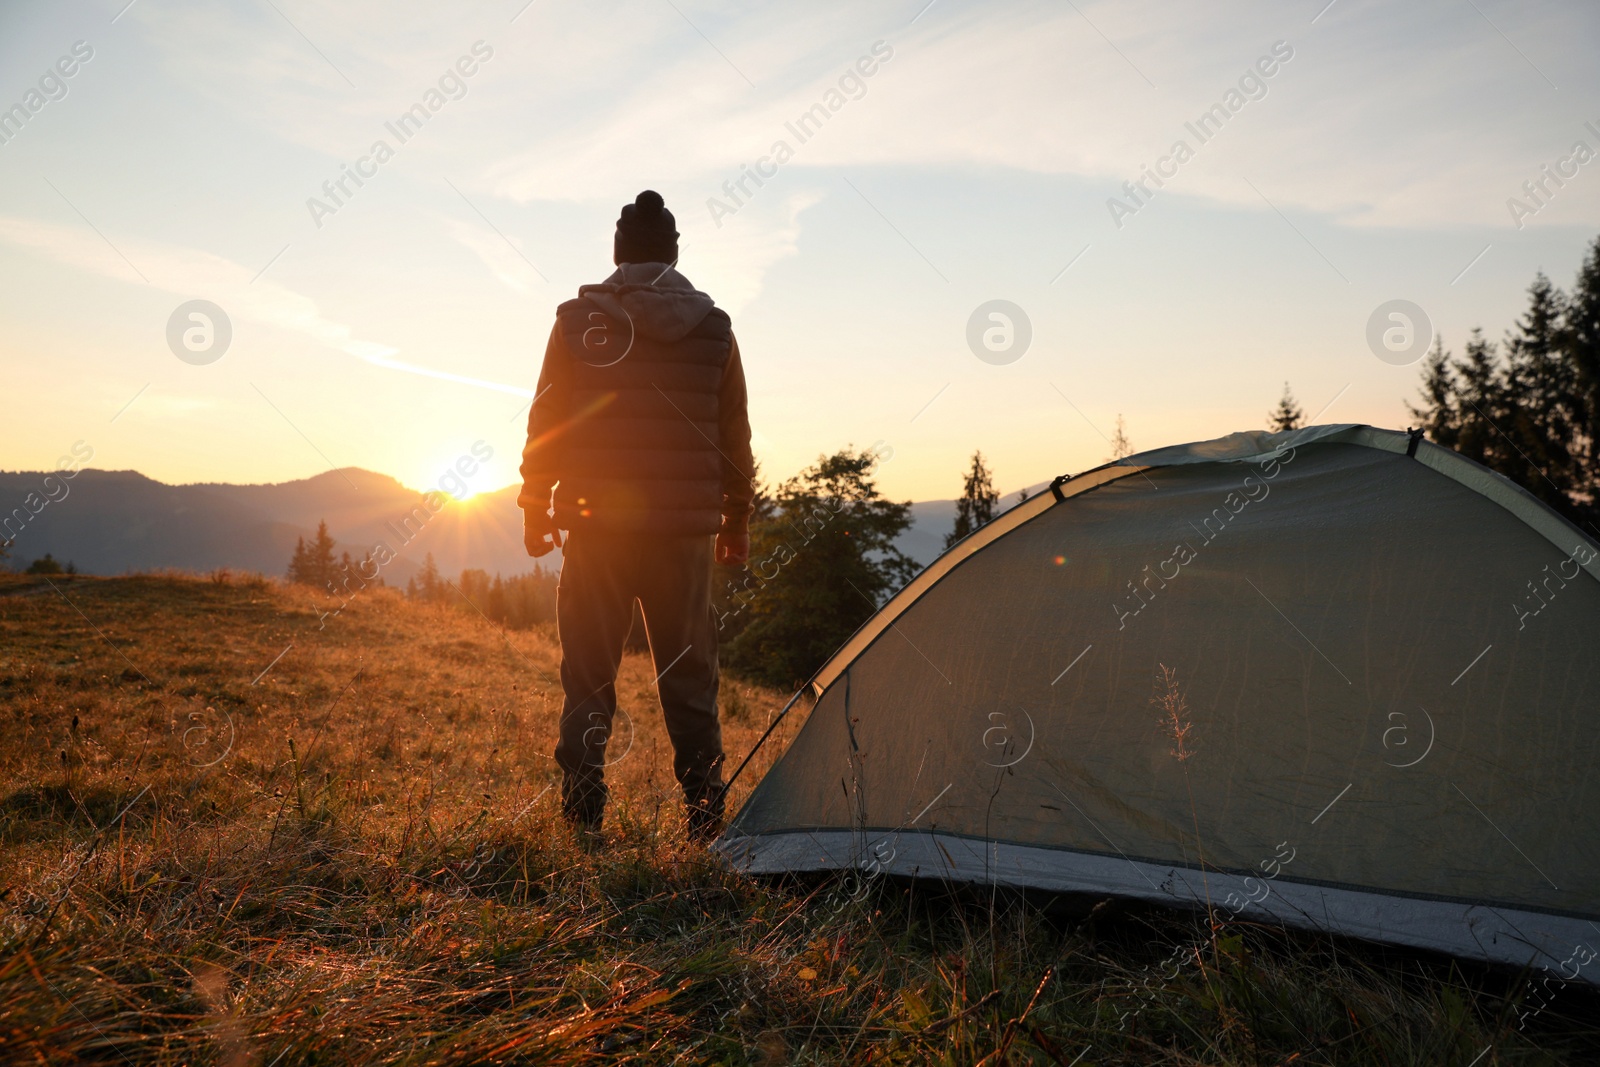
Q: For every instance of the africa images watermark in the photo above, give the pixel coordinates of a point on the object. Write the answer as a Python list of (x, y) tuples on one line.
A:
[(199, 332), (1538, 189), (406, 126), (52, 86), (764, 571), (381, 554), (853, 81), (1220, 917), (1582, 556), (1252, 85), (55, 490), (1210, 529)]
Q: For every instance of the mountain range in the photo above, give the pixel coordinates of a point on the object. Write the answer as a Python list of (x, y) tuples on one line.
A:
[(112, 522)]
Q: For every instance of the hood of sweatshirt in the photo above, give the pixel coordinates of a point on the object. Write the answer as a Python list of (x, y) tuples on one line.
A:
[(659, 302)]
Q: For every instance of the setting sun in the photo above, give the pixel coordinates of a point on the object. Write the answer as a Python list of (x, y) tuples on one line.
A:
[(460, 477)]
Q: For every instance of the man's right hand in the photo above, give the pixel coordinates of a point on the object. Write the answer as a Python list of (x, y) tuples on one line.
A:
[(539, 533), (733, 546)]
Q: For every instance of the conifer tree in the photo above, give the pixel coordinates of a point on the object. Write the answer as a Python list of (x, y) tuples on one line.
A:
[(1120, 445), (1529, 409), (1580, 342), (297, 562), (977, 502), (1540, 402), (313, 564), (1288, 415), (429, 585), (1439, 416)]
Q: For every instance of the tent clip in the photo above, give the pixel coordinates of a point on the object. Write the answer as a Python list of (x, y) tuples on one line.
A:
[(1055, 486), (1416, 439)]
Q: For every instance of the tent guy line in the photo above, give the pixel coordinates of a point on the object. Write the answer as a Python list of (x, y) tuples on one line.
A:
[(1331, 803), (1073, 664)]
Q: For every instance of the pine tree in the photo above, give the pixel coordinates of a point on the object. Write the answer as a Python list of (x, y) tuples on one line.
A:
[(1540, 403), (1439, 416), (429, 585), (313, 564), (1580, 341), (321, 552), (1532, 409), (1288, 415), (297, 562), (1478, 389), (1120, 445), (977, 503)]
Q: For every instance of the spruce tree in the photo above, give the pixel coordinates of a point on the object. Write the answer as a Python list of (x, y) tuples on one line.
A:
[(1439, 416), (1580, 341), (429, 585), (297, 562), (1288, 415), (1540, 401), (1532, 410), (319, 558), (312, 564), (1480, 400), (1120, 445), (977, 503)]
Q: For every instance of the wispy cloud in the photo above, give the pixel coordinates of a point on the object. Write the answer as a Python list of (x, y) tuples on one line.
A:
[(503, 262), (1030, 86), (732, 263), (188, 272)]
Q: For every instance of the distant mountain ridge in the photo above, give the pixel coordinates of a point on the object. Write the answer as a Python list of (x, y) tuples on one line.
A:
[(112, 522)]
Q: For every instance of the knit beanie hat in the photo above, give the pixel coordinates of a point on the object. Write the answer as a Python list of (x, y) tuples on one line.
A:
[(646, 231)]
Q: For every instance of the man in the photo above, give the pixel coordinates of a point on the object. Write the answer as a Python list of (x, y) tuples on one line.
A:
[(640, 426)]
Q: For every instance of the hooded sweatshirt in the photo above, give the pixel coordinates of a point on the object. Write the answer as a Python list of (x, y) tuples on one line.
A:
[(639, 422)]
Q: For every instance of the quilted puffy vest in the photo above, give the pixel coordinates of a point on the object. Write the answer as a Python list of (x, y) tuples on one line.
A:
[(639, 452)]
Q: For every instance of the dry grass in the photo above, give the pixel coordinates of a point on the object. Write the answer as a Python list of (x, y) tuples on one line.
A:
[(357, 860)]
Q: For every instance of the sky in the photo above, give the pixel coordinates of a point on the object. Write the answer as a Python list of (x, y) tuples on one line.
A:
[(987, 156)]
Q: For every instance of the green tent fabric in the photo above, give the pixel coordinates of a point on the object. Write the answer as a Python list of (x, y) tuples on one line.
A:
[(1388, 664)]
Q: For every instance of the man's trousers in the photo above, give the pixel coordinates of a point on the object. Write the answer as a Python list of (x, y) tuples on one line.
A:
[(601, 575)]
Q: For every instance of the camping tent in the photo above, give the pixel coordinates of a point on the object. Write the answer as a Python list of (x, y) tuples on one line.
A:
[(1337, 677)]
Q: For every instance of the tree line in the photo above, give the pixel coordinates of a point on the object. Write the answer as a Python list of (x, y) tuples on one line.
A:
[(520, 602), (1528, 406)]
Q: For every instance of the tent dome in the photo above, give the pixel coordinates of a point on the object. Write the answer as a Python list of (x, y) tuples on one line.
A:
[(1338, 678)]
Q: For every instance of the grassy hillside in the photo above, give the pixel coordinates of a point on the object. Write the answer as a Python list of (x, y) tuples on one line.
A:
[(354, 857)]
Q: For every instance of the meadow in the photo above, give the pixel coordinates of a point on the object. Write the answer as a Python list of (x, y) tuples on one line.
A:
[(238, 829)]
